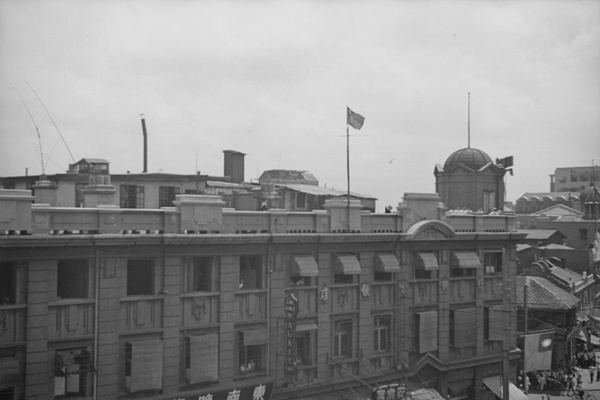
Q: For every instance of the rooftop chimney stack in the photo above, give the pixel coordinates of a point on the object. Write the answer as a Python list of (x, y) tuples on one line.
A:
[(145, 144)]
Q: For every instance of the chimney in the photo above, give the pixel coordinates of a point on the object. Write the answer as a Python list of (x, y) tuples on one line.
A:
[(145, 144), (234, 165)]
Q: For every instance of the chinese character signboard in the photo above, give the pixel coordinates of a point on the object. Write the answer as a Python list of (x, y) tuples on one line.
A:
[(394, 391), (257, 392), (291, 312)]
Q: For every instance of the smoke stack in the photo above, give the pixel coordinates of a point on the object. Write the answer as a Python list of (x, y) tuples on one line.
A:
[(145, 144)]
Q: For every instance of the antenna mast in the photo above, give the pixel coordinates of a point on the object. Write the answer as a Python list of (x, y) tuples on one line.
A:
[(469, 122), (36, 129), (51, 119)]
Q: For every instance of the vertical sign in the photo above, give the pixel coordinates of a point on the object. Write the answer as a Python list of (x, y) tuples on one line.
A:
[(291, 312)]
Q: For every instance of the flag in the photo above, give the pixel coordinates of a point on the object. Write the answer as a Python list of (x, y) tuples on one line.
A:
[(354, 120), (538, 351)]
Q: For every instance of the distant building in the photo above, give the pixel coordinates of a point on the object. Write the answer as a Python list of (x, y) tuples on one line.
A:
[(469, 179), (538, 202), (574, 179)]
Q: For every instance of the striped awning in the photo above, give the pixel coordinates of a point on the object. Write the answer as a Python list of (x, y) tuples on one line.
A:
[(387, 263), (304, 266), (428, 261), (466, 259), (347, 264)]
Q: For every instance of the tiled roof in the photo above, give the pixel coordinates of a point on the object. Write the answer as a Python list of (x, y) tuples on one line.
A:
[(323, 191), (543, 295), (559, 210), (554, 246), (539, 234)]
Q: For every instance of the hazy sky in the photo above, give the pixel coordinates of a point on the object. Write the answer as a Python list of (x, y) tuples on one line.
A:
[(272, 79)]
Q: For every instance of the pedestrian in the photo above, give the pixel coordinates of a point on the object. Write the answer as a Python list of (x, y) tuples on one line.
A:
[(597, 372), (570, 387), (592, 370), (580, 388)]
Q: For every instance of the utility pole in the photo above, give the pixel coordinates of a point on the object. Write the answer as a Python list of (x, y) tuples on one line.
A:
[(506, 319)]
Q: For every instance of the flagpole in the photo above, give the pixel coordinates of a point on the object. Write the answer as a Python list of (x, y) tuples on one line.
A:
[(348, 172)]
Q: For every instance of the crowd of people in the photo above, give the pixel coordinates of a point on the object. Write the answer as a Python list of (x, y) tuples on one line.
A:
[(568, 380)]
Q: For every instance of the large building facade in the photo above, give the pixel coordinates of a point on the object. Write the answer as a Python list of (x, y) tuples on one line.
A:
[(200, 302)]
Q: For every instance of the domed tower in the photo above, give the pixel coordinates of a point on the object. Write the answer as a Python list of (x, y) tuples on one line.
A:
[(470, 179), (590, 202)]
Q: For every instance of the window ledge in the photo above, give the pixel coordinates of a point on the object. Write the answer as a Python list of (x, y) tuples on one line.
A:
[(140, 297), (70, 302), (199, 294), (5, 307)]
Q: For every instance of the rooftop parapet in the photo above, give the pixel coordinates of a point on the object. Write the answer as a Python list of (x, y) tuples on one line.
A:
[(15, 210), (204, 214)]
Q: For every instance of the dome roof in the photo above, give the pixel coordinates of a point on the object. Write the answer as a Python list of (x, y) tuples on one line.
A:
[(469, 157), (589, 195)]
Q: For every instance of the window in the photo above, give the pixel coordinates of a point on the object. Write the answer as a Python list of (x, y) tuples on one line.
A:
[(492, 262), (72, 279), (302, 270), (301, 200), (306, 346), (493, 323), (250, 272), (463, 327), (425, 264), (583, 234), (201, 275), (143, 365), (140, 277), (464, 263), (79, 194), (343, 342), (202, 358), (73, 372), (132, 196), (166, 195), (346, 266), (382, 333), (251, 357), (489, 200), (8, 283), (386, 264)]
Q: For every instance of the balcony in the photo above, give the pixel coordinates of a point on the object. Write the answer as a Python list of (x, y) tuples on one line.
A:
[(252, 305), (70, 318), (139, 313)]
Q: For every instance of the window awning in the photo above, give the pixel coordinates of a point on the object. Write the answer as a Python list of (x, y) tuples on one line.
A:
[(347, 264), (428, 261), (387, 263), (466, 259), (10, 374), (304, 266), (255, 337), (494, 383)]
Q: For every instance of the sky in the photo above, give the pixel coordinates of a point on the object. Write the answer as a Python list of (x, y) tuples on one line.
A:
[(272, 79)]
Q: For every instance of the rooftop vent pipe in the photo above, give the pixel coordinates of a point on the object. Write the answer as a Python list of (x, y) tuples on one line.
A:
[(145, 144)]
